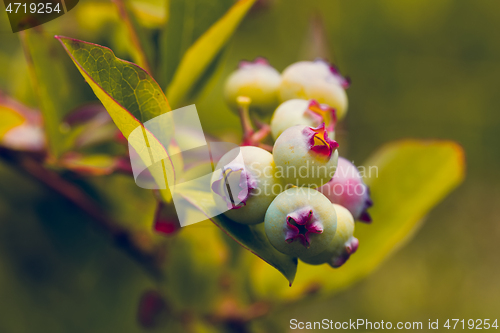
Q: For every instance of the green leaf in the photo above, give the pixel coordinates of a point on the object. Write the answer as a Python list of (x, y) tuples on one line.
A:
[(188, 20), (413, 177), (130, 96), (251, 237), (209, 77), (201, 54), (150, 13), (51, 84)]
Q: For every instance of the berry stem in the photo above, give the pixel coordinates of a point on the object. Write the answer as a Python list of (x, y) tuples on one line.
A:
[(262, 133), (250, 136), (246, 123)]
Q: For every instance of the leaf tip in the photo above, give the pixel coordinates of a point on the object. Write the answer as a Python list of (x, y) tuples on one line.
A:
[(60, 38), (292, 277), (460, 156)]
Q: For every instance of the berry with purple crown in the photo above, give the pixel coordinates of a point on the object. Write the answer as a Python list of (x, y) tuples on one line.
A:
[(300, 221), (347, 189)]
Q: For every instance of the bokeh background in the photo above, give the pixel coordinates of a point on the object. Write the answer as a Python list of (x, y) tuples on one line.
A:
[(420, 69)]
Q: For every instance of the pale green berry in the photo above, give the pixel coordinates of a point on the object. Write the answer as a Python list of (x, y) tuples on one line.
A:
[(315, 80), (343, 244), (303, 112), (249, 173), (305, 156), (256, 80), (299, 222)]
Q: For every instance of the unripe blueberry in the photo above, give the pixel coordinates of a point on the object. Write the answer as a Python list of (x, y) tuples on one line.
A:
[(303, 112), (305, 156), (249, 173), (343, 244), (315, 80), (347, 189), (300, 222), (256, 80)]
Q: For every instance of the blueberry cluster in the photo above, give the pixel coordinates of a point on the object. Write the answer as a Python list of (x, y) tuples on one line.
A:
[(307, 196)]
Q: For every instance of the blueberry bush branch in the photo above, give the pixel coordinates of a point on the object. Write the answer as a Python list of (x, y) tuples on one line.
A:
[(280, 202)]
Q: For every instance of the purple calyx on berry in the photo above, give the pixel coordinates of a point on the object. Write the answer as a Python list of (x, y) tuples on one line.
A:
[(340, 260), (223, 188), (322, 113), (257, 61), (300, 224), (351, 246), (319, 142), (345, 82), (365, 216)]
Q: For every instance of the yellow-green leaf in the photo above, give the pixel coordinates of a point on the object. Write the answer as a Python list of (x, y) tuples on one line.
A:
[(150, 13), (200, 55), (413, 176), (187, 21), (131, 96)]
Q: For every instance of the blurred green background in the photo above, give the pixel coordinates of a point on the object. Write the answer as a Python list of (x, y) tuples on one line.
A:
[(420, 68)]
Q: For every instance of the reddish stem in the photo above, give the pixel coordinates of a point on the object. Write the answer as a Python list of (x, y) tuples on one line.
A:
[(246, 123), (261, 134)]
